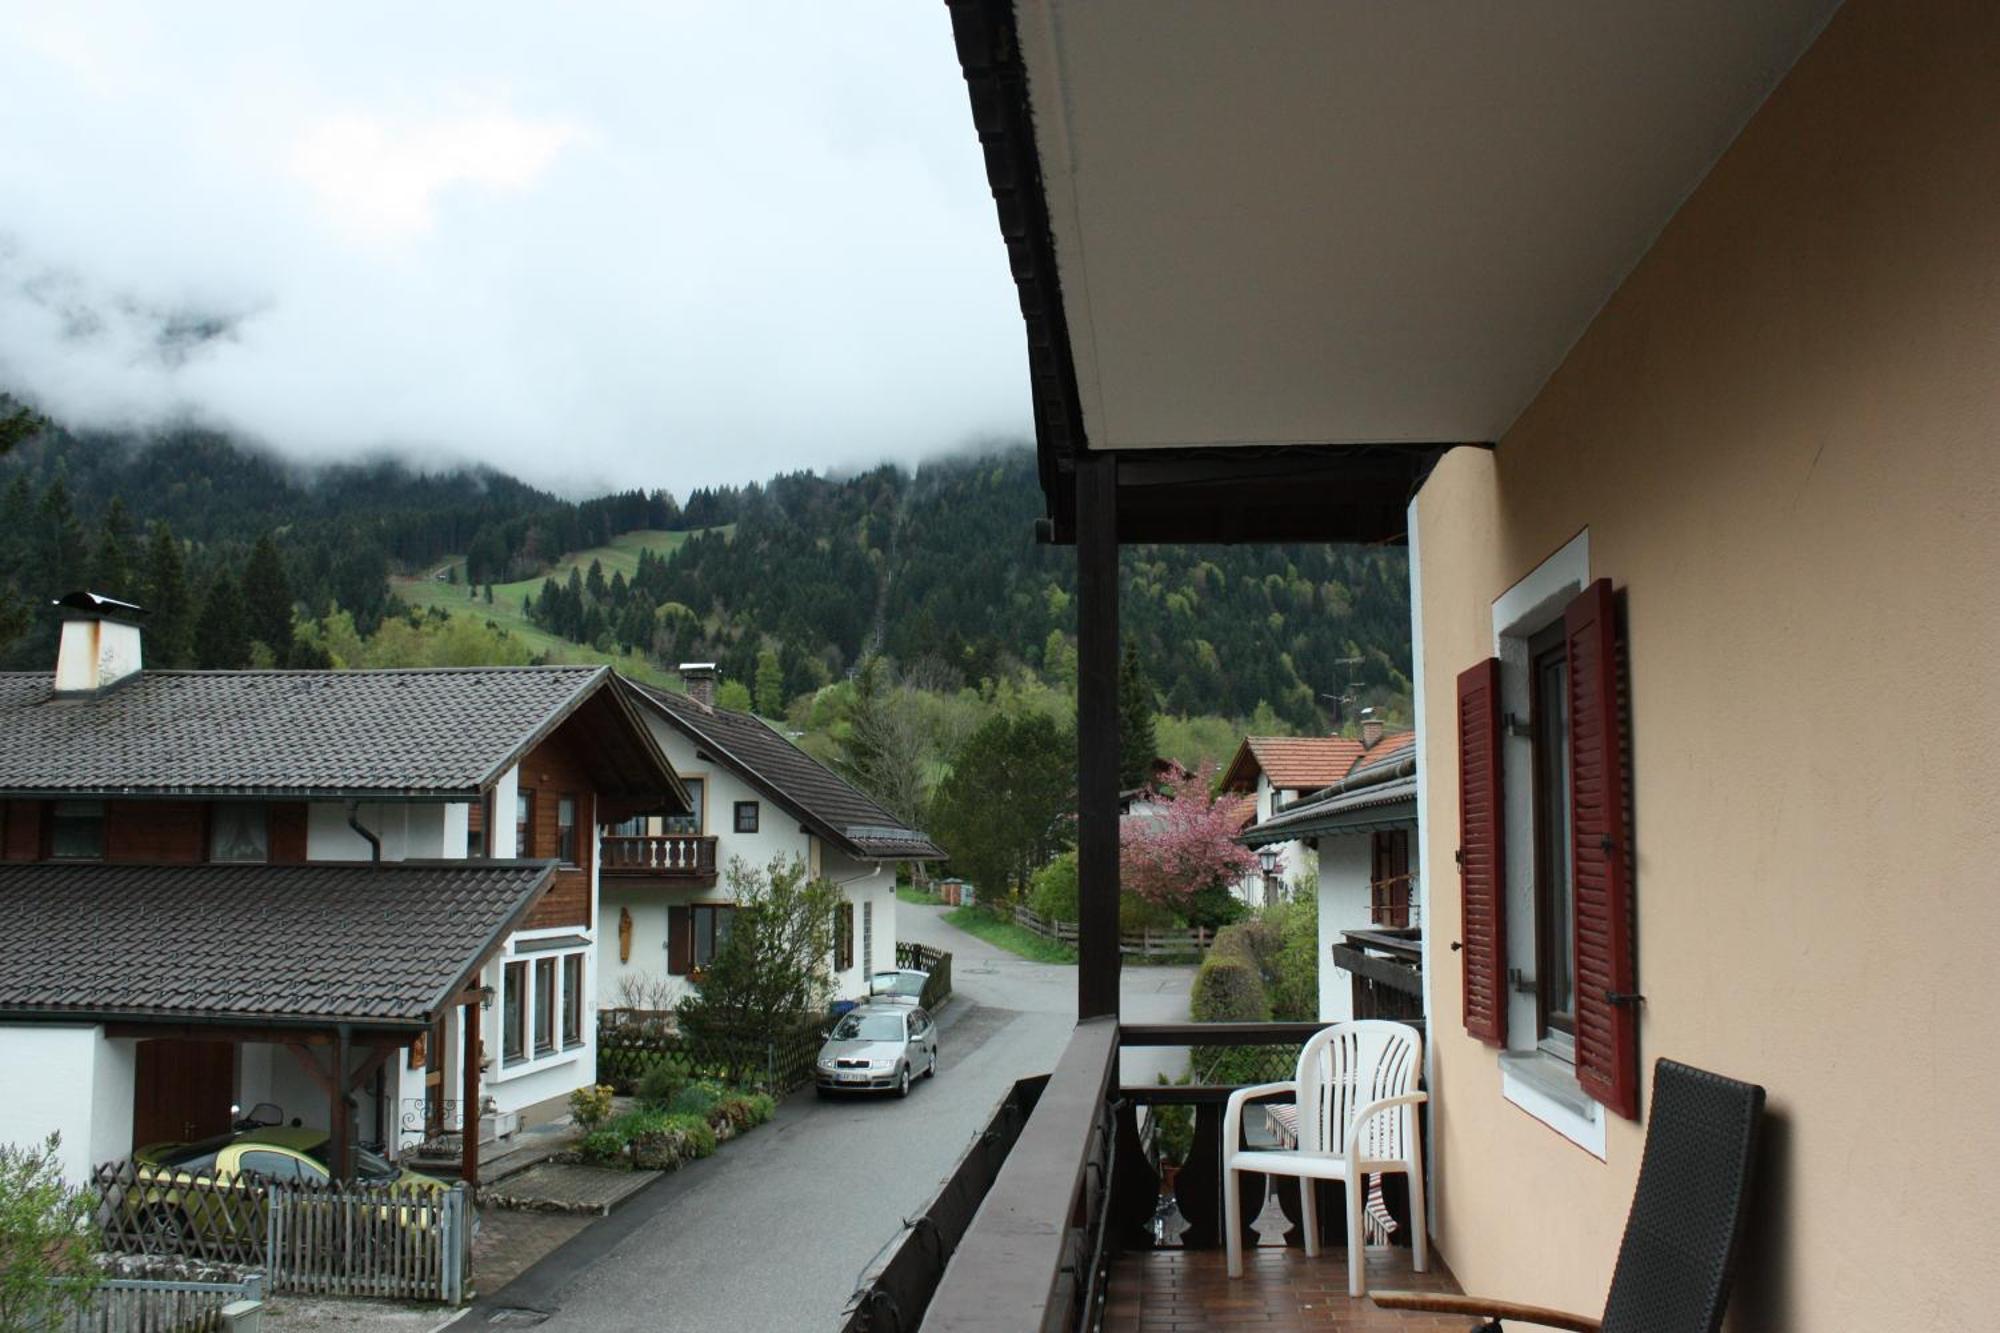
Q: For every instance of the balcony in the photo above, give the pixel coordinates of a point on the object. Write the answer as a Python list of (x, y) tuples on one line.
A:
[(1059, 1216), (686, 859)]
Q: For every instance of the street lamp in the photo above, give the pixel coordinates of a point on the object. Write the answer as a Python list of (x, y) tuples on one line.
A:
[(1267, 857)]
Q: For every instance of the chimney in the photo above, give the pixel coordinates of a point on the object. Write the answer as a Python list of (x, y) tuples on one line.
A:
[(100, 642), (1371, 732), (699, 677)]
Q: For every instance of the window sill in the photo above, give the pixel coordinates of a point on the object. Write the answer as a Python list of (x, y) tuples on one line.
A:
[(552, 1059), (1546, 1088)]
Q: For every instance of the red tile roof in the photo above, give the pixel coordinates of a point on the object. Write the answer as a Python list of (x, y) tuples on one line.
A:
[(1304, 763), (1244, 813)]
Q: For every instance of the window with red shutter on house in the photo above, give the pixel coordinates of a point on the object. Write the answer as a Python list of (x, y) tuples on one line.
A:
[(1607, 1054), (1482, 854), (680, 940)]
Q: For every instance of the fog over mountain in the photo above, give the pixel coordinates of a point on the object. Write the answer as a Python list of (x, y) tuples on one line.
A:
[(622, 244)]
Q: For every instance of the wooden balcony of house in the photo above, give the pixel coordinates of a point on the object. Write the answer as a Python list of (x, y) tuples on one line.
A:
[(672, 858), (1385, 966), (1060, 1217)]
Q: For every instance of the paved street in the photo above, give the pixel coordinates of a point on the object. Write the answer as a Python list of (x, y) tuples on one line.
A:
[(771, 1233)]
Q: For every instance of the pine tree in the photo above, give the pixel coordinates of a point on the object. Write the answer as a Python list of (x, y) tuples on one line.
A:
[(267, 599), (63, 543), (170, 629), (221, 639), (770, 687), (1137, 745), (111, 566)]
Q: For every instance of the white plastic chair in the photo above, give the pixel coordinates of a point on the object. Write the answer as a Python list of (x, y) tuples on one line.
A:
[(1357, 1106)]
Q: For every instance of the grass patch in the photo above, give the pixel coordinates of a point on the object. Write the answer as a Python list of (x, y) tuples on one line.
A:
[(910, 893), (1006, 935), (620, 554)]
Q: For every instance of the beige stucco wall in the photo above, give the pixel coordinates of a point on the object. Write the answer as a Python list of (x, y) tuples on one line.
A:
[(1780, 435)]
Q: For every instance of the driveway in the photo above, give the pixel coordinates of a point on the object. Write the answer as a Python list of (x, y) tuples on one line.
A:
[(772, 1232)]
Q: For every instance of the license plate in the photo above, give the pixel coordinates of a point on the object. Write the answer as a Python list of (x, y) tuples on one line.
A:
[(852, 1076)]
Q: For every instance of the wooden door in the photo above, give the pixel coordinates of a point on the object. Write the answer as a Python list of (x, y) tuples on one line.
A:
[(183, 1090)]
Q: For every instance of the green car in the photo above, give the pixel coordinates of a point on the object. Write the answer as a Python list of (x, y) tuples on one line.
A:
[(184, 1194)]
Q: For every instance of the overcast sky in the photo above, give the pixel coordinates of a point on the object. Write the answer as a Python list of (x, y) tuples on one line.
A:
[(659, 244)]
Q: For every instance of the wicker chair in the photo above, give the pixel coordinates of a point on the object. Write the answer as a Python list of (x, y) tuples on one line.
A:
[(1679, 1252)]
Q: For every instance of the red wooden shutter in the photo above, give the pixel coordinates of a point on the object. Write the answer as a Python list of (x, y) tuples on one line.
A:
[(1607, 1047), (680, 940), (1482, 874)]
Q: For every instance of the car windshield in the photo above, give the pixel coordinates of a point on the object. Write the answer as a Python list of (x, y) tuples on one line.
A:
[(898, 983), (869, 1027), (367, 1165)]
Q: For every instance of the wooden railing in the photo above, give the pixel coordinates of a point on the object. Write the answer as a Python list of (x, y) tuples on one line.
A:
[(1386, 972), (1082, 1184), (677, 855), (1166, 941)]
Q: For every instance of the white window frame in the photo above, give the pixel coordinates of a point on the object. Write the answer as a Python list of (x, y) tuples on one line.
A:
[(1533, 1076), (558, 1054)]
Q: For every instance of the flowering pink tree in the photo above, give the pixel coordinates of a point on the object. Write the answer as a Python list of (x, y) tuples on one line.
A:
[(1184, 844)]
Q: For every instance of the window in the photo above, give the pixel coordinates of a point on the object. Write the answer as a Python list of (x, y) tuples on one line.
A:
[(868, 938), (239, 831), (566, 830), (1543, 859), (475, 830), (524, 823), (76, 830), (1389, 880), (1555, 973), (698, 799), (843, 937), (572, 1001), (635, 827), (746, 816), (514, 1014), (276, 1166), (545, 1005), (711, 930)]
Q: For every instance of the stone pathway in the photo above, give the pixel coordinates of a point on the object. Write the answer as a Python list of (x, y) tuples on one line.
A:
[(553, 1187)]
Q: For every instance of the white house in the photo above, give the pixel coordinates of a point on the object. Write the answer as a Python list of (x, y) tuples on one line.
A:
[(1273, 771), (755, 798), (1362, 830), (298, 887)]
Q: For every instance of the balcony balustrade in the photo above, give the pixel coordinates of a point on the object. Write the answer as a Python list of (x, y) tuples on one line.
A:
[(674, 856)]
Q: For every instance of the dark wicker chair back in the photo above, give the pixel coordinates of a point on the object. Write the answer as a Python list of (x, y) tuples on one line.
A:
[(1679, 1252)]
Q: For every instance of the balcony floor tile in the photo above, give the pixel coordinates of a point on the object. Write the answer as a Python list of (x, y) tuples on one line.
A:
[(1167, 1291)]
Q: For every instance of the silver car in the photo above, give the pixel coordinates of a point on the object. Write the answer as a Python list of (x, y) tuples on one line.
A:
[(878, 1046)]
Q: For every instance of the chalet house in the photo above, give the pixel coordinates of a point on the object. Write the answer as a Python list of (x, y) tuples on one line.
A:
[(1270, 772), (753, 797), (1362, 832), (299, 887), (1664, 335)]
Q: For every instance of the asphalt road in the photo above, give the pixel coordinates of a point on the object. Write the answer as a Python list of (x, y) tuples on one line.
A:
[(772, 1232)]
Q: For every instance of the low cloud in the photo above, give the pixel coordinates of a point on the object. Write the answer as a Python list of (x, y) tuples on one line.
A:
[(657, 246)]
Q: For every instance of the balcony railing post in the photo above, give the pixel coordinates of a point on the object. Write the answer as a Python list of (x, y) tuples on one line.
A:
[(1097, 735)]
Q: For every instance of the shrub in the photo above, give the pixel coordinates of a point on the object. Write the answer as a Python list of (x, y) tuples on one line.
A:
[(662, 1082), (696, 1099), (1176, 1126), (46, 1239), (741, 1111), (694, 1132), (590, 1107), (1293, 974), (603, 1147), (1052, 890), (1228, 989)]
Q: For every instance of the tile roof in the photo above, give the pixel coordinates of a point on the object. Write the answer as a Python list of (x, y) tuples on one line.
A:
[(1304, 763), (840, 811), (1245, 812), (317, 942), (1378, 792), (282, 732)]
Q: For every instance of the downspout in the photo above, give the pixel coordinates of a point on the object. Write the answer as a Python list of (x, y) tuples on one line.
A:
[(374, 843)]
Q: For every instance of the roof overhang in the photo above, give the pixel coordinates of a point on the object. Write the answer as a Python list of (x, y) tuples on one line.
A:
[(629, 769), (1277, 259)]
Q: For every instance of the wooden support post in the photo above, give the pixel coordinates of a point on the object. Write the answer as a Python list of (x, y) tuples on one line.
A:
[(342, 1128), (1097, 735), (468, 1112)]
